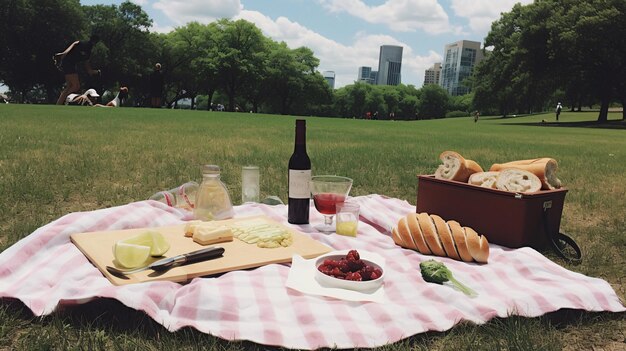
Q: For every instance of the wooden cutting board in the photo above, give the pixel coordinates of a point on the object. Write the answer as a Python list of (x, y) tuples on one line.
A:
[(98, 248)]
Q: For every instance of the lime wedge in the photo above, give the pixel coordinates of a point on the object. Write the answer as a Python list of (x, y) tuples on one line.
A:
[(159, 244), (154, 240), (130, 255)]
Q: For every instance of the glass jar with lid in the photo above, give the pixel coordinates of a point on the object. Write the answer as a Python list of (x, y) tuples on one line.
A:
[(212, 200)]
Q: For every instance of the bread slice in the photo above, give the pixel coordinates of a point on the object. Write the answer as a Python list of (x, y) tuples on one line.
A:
[(396, 237), (430, 234), (416, 233), (484, 179), (405, 234), (517, 180), (459, 239), (477, 245), (445, 236)]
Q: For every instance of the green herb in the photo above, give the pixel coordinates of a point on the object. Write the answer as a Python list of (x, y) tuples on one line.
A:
[(436, 272)]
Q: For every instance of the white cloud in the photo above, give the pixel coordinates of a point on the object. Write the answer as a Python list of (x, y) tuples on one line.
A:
[(398, 15), (157, 28), (140, 2), (344, 60), (481, 13), (204, 11)]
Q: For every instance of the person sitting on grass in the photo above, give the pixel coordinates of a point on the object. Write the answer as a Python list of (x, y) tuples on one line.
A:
[(88, 98), (119, 99)]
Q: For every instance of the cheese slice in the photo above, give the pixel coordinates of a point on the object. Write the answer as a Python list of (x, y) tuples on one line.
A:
[(191, 226), (209, 234)]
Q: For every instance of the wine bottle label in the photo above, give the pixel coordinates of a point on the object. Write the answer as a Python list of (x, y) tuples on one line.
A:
[(299, 183)]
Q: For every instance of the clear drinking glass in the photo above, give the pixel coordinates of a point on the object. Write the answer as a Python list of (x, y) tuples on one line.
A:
[(328, 191), (250, 188), (347, 218)]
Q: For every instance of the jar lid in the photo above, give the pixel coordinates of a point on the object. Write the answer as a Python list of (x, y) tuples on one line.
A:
[(211, 169)]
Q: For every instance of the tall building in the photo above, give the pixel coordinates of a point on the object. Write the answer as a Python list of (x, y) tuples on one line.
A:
[(389, 65), (459, 61), (366, 75), (433, 74), (373, 77), (330, 78)]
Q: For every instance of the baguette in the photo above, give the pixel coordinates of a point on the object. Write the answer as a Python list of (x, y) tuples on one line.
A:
[(455, 167), (432, 235), (544, 168)]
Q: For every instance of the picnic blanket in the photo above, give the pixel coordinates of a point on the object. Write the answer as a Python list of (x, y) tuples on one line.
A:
[(45, 270)]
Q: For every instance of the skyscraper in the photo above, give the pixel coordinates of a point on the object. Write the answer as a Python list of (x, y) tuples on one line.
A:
[(433, 74), (389, 65), (459, 61), (330, 78), (364, 74)]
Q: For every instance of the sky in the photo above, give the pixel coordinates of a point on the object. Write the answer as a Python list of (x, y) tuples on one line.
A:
[(345, 34)]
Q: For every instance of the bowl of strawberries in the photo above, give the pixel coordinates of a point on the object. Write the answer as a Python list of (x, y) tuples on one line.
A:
[(350, 270)]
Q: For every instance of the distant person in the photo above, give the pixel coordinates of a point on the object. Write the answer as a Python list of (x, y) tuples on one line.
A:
[(66, 61), (118, 100), (156, 86), (90, 97), (558, 110), (476, 116)]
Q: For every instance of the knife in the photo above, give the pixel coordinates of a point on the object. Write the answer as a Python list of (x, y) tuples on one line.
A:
[(165, 264)]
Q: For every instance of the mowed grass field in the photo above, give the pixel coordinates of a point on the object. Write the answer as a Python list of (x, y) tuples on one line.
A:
[(55, 160)]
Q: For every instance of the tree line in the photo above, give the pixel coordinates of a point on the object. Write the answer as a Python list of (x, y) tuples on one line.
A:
[(570, 51), (565, 50)]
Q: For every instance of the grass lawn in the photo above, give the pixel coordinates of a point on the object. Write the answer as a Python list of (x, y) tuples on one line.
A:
[(55, 160)]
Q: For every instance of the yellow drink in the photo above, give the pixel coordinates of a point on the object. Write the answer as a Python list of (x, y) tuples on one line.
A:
[(347, 228)]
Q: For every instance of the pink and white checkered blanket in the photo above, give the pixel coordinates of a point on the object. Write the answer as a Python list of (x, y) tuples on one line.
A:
[(45, 270)]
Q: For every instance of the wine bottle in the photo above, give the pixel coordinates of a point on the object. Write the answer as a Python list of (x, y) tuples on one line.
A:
[(299, 178)]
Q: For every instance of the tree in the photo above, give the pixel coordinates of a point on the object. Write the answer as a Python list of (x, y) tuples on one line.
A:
[(576, 46), (33, 32), (238, 56), (592, 39), (282, 76), (462, 103), (190, 61), (433, 102), (126, 54)]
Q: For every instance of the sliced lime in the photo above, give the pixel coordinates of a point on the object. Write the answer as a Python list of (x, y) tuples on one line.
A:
[(130, 255), (154, 240)]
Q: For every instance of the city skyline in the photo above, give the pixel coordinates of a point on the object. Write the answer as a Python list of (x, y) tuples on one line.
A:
[(345, 34)]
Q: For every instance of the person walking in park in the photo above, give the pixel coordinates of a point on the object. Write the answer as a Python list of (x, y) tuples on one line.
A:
[(66, 61), (476, 116), (156, 86), (558, 110)]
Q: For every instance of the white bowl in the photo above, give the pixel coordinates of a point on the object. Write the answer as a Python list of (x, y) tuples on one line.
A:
[(363, 286)]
